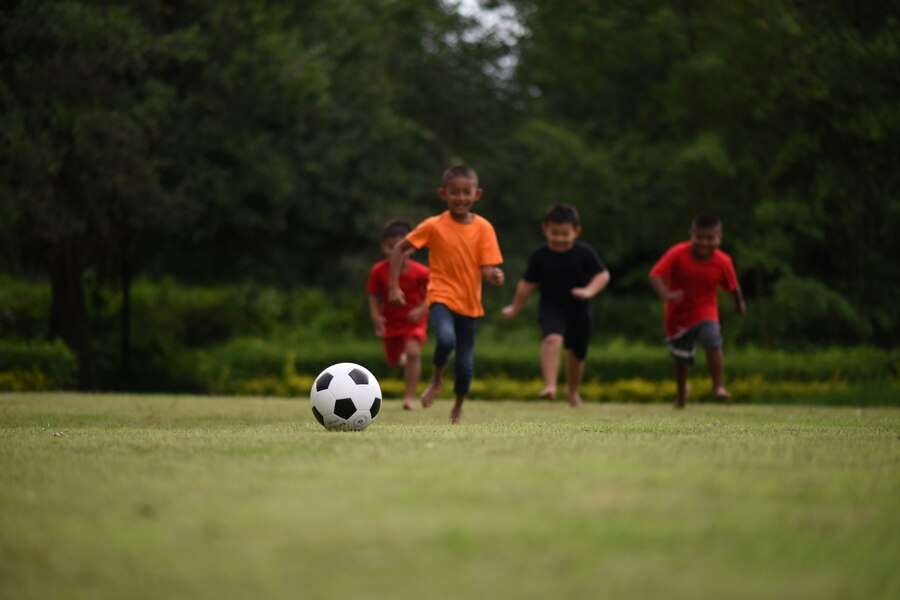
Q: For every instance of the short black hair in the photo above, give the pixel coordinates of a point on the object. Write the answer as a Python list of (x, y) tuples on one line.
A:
[(562, 213), (706, 222), (459, 171), (395, 228)]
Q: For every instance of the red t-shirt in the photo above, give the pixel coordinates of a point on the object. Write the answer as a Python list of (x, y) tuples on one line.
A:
[(699, 280), (413, 282)]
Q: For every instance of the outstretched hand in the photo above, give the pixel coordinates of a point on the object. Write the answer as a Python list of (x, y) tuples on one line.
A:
[(496, 276), (581, 293), (508, 312)]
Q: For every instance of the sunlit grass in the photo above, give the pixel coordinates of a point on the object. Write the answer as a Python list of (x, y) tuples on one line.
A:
[(108, 496)]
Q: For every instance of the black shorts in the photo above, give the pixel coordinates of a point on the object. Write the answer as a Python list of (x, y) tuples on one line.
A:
[(573, 325)]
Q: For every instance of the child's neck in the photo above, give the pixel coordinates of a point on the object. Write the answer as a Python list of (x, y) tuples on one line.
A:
[(462, 219)]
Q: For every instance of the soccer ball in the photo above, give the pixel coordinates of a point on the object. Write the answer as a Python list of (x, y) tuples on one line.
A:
[(345, 396)]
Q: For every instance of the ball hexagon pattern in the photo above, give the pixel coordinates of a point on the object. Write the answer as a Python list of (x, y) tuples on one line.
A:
[(345, 396)]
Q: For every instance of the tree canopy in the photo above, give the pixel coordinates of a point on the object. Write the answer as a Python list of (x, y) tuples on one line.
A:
[(268, 142)]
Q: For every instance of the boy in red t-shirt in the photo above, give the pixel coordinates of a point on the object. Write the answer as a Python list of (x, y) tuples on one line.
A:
[(687, 277), (402, 327)]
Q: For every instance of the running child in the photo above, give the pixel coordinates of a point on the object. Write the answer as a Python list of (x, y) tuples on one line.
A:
[(687, 278), (401, 327), (463, 250), (569, 273)]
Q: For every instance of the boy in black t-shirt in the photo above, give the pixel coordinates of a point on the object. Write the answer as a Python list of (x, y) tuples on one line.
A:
[(569, 273)]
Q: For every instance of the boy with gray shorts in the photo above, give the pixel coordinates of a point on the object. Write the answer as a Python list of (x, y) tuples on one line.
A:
[(687, 278)]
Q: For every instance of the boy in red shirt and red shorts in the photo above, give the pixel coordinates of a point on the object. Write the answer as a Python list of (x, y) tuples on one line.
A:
[(687, 278), (402, 327)]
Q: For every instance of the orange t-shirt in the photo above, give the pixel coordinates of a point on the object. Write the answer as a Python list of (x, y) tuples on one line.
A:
[(456, 253)]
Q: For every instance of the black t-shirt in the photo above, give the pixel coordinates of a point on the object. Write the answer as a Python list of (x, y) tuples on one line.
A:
[(558, 272)]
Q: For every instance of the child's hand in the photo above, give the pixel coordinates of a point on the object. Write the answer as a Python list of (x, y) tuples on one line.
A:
[(509, 311), (378, 323), (581, 293), (415, 315), (496, 276), (675, 296), (742, 307), (395, 296)]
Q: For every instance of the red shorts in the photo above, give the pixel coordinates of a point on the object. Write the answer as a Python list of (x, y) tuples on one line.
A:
[(395, 345)]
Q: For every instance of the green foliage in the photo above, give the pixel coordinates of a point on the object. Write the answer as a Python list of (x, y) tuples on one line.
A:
[(33, 365), (257, 144), (24, 306)]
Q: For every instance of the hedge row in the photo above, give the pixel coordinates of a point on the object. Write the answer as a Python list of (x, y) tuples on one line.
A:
[(35, 365), (253, 358)]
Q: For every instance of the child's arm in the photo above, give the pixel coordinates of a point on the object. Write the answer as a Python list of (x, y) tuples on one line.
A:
[(377, 314), (659, 286), (594, 287), (493, 274), (739, 304), (523, 291), (401, 252)]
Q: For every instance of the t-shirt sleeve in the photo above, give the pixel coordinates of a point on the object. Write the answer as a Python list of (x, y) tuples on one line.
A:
[(421, 235), (592, 262), (729, 276), (490, 247), (533, 271), (663, 267), (373, 284)]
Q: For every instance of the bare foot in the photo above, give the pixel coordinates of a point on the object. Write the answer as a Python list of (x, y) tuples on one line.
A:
[(680, 403), (548, 393), (408, 404), (575, 400), (431, 392), (456, 413), (721, 394)]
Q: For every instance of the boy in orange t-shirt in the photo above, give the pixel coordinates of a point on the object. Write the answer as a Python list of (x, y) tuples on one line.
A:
[(463, 249)]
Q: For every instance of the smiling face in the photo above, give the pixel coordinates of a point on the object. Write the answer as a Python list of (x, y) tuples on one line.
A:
[(560, 236), (460, 194), (705, 241)]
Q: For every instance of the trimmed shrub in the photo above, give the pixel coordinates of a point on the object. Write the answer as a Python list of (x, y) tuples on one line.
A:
[(35, 365)]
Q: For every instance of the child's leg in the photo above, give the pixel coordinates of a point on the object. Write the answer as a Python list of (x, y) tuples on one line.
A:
[(550, 347), (682, 351), (681, 371), (411, 370), (574, 374), (709, 334), (578, 335), (465, 361), (441, 320), (715, 361)]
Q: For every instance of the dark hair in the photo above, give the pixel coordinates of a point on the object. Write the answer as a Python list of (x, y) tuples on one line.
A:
[(459, 171), (395, 228), (562, 213), (706, 222)]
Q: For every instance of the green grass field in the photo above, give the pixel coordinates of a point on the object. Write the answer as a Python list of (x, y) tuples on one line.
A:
[(111, 496)]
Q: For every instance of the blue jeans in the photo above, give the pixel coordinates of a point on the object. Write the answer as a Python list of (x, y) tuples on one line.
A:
[(453, 331)]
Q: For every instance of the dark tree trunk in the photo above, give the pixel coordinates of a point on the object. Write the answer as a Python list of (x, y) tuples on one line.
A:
[(68, 313)]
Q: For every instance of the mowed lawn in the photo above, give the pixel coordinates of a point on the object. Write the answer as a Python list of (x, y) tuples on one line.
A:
[(114, 496)]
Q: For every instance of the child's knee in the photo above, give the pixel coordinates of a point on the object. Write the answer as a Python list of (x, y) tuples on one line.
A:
[(413, 349), (553, 339)]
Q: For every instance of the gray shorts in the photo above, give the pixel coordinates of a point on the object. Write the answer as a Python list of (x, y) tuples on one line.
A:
[(706, 332)]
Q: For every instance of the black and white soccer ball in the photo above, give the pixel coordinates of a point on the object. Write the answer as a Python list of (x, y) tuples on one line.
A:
[(345, 396)]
